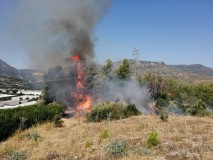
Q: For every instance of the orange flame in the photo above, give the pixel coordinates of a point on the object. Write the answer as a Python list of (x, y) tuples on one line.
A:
[(75, 57), (80, 77), (85, 105), (83, 101)]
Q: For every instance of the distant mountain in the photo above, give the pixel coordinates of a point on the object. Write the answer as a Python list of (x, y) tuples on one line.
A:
[(185, 73), (31, 75), (7, 70), (195, 68), (23, 78)]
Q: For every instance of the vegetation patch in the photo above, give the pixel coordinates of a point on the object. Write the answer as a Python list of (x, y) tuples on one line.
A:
[(10, 119), (111, 111), (153, 139), (88, 143), (34, 136), (117, 148), (104, 134), (10, 154)]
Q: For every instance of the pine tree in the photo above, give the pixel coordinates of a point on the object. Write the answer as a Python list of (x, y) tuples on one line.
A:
[(124, 71)]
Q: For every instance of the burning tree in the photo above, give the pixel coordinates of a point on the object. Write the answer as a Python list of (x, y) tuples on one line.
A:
[(83, 101)]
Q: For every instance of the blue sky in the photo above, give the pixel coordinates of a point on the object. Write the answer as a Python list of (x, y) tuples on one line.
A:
[(173, 31)]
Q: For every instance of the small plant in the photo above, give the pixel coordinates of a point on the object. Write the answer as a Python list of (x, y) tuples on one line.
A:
[(143, 151), (153, 139), (117, 148), (22, 123), (57, 121), (34, 136), (164, 115), (104, 134), (13, 155), (88, 143)]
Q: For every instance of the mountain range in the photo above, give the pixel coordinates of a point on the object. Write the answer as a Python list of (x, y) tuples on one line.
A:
[(28, 78), (194, 73), (24, 78)]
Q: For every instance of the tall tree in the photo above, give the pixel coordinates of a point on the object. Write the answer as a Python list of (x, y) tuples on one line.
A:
[(107, 68), (124, 71), (52, 83)]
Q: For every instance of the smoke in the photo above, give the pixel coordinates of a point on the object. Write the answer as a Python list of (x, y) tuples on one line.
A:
[(53, 30), (127, 92)]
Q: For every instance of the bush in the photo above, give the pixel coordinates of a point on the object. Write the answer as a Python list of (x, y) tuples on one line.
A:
[(153, 139), (88, 143), (143, 151), (197, 110), (34, 136), (101, 112), (162, 103), (104, 134), (130, 110), (116, 111), (117, 148), (13, 155), (57, 121), (164, 115), (10, 118)]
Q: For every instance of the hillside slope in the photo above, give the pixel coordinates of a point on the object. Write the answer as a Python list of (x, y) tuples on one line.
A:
[(183, 73), (24, 78), (195, 68), (7, 70), (182, 137)]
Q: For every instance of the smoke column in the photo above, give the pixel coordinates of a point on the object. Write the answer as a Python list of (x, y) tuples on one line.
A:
[(52, 30)]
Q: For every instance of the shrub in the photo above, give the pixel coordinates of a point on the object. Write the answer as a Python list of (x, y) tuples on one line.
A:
[(198, 110), (162, 103), (104, 134), (130, 110), (117, 148), (116, 111), (34, 136), (14, 155), (153, 139), (88, 143), (101, 112), (57, 121), (143, 151), (22, 123), (10, 118), (164, 115)]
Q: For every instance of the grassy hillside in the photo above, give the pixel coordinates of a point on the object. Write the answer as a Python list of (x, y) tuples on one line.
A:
[(182, 137)]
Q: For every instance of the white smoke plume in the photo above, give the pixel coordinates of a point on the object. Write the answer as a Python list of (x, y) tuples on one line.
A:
[(127, 92), (52, 30)]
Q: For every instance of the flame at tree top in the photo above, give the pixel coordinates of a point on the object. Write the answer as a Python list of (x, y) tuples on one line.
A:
[(76, 57), (83, 101)]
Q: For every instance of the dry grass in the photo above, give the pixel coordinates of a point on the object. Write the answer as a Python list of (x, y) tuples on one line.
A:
[(182, 137)]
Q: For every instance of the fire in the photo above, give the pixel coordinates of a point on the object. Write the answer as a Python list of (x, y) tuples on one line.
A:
[(80, 77), (83, 101), (85, 105), (75, 57)]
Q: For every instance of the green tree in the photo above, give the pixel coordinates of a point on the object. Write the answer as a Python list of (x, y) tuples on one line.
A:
[(107, 68), (52, 82), (197, 110), (91, 76), (124, 71), (157, 87), (140, 80)]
